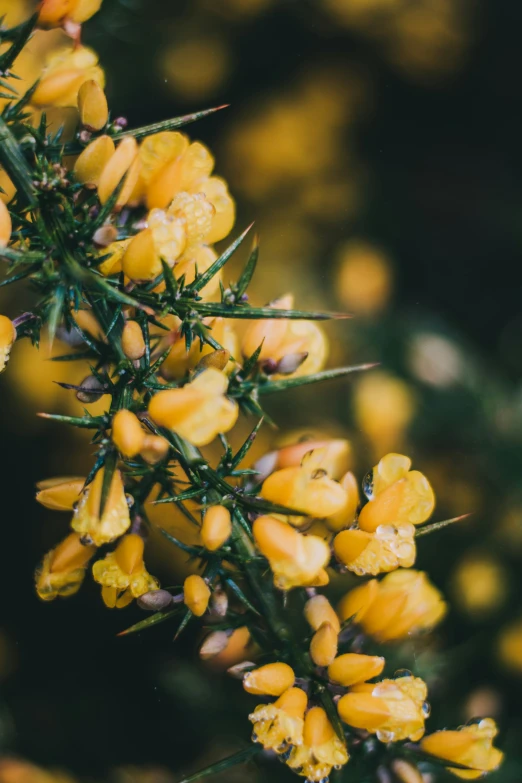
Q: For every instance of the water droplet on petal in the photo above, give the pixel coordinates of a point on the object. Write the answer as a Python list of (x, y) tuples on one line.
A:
[(402, 673), (367, 485), (426, 709)]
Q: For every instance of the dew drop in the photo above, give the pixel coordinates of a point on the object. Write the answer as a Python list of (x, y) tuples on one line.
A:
[(402, 673), (426, 709), (367, 485)]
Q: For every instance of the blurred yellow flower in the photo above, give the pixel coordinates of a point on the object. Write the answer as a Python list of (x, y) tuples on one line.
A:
[(384, 406), (509, 646), (471, 746), (195, 67), (364, 277), (479, 584)]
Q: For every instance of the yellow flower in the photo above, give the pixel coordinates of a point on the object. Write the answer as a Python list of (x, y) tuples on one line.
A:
[(132, 341), (63, 569), (353, 668), (321, 749), (198, 411), (154, 448), (401, 604), (319, 610), (388, 548), (6, 225), (384, 406), (92, 106), (124, 162), (171, 165), (54, 13), (305, 488), (216, 528), (122, 573), (282, 337), (332, 455), (114, 520), (392, 709), (88, 170), (279, 726), (510, 646), (113, 255), (179, 360), (296, 560), (323, 647), (127, 433), (364, 277), (479, 584), (7, 338), (61, 493), (346, 515), (397, 494), (471, 746), (196, 594), (273, 679), (64, 73)]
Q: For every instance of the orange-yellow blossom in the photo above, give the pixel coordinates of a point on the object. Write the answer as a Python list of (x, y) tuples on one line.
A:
[(296, 560), (321, 749), (101, 528), (92, 106), (280, 725), (470, 745), (63, 568), (54, 13), (122, 573), (196, 594), (63, 75), (89, 167), (124, 162), (403, 603), (392, 709), (398, 494), (389, 547), (346, 515), (332, 455), (132, 341), (282, 337), (7, 338), (306, 489), (273, 679), (199, 410), (60, 493)]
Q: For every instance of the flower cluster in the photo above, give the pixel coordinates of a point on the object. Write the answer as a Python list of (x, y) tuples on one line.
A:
[(120, 248)]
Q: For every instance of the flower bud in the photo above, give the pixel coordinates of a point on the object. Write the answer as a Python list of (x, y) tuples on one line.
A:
[(92, 105), (6, 225), (132, 341), (214, 643), (273, 679), (323, 647), (216, 359), (93, 160), (155, 600), (219, 602), (154, 448), (319, 610), (291, 362), (216, 528), (91, 390), (7, 338), (196, 594), (124, 162), (352, 668), (60, 494), (105, 235), (127, 433), (404, 772)]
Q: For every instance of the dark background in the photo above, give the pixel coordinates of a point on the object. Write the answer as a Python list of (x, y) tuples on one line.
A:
[(435, 160)]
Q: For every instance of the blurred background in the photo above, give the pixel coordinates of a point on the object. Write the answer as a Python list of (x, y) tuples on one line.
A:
[(376, 144)]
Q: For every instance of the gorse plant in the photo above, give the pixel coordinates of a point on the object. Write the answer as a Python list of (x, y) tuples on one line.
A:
[(114, 231)]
